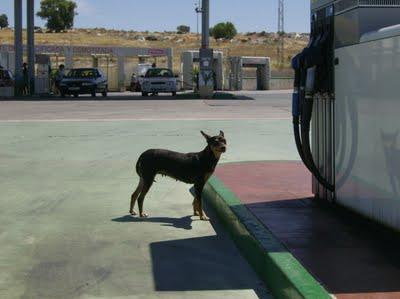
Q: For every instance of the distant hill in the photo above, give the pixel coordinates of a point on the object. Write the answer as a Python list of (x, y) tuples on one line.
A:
[(248, 44)]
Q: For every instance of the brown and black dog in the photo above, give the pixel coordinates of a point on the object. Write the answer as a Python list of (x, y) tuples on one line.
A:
[(191, 168)]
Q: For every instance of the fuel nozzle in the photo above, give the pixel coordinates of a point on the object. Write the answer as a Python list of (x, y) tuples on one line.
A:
[(296, 65), (310, 82)]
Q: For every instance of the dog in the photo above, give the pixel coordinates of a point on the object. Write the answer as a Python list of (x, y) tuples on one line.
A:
[(190, 168)]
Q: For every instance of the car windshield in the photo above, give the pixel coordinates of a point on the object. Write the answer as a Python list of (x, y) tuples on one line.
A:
[(82, 73), (151, 73), (142, 69)]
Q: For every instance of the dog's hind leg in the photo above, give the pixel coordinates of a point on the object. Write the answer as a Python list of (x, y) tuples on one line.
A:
[(147, 182), (135, 196)]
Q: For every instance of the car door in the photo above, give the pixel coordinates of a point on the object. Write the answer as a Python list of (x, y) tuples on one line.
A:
[(101, 78)]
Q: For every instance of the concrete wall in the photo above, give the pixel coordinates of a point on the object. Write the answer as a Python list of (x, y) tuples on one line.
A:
[(281, 83), (250, 83)]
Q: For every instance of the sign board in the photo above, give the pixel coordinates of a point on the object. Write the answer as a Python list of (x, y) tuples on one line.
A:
[(157, 52), (206, 59), (206, 68)]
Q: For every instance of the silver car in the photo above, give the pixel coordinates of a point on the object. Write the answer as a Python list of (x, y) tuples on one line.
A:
[(158, 80)]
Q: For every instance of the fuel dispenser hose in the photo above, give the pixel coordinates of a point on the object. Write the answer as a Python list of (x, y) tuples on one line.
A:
[(302, 105), (306, 148)]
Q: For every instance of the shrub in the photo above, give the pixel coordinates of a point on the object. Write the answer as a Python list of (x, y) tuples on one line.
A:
[(59, 14), (3, 21), (224, 30), (183, 29)]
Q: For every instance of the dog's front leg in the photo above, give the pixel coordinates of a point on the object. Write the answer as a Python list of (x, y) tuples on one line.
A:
[(198, 188), (196, 207)]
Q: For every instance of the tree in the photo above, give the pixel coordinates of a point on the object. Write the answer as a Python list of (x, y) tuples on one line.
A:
[(3, 21), (224, 30), (58, 13), (183, 29)]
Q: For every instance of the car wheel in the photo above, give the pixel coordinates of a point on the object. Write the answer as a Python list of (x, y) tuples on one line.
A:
[(104, 93), (93, 94), (144, 94), (76, 95), (174, 93), (62, 94)]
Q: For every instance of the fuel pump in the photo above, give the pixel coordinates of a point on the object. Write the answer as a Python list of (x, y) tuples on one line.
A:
[(42, 81), (312, 83), (346, 96)]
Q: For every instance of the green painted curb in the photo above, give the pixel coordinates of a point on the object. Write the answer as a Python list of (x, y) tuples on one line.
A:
[(280, 271)]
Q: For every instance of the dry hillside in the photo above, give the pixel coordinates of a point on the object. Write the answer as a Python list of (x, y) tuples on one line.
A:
[(250, 44)]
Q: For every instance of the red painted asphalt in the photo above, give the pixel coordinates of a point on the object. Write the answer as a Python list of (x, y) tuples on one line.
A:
[(343, 253)]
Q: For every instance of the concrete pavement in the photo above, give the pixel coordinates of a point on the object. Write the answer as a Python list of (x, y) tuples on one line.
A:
[(66, 176), (124, 106)]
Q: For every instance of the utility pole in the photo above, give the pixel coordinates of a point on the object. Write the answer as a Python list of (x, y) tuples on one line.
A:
[(198, 11), (31, 45), (18, 46), (206, 80), (205, 37), (281, 32)]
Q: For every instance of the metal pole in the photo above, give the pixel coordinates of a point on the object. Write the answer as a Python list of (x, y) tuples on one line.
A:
[(31, 45), (205, 41), (206, 76), (18, 45)]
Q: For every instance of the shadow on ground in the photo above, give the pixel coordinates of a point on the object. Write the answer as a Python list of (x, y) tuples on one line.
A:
[(182, 223), (131, 97), (203, 263), (207, 263), (346, 252)]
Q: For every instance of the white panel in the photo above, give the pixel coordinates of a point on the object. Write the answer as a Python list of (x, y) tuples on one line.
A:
[(367, 120)]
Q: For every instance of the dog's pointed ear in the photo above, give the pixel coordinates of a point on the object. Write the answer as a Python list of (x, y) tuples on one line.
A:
[(221, 133), (207, 137)]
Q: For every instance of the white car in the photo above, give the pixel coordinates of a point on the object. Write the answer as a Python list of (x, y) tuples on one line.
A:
[(158, 80), (137, 78)]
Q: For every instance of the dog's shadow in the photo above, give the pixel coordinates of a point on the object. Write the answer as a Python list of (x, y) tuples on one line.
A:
[(182, 223)]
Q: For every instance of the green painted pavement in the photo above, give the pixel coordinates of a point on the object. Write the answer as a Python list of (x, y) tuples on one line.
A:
[(282, 272)]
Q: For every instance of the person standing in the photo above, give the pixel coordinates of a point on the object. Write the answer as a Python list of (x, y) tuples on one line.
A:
[(25, 75), (59, 76)]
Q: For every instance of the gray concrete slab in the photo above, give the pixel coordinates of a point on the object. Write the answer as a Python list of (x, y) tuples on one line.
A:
[(65, 188)]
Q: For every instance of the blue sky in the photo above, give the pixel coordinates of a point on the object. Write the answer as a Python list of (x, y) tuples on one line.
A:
[(160, 15)]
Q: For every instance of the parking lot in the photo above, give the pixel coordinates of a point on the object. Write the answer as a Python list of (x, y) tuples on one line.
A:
[(67, 172)]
